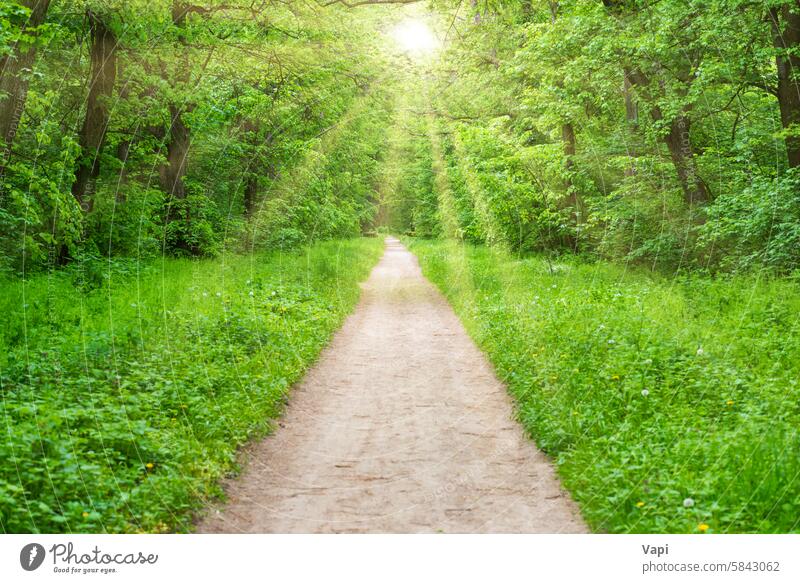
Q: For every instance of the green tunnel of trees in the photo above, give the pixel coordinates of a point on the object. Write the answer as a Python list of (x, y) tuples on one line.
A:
[(664, 133), (185, 186)]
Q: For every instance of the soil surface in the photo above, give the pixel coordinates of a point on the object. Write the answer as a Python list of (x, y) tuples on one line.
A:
[(401, 426)]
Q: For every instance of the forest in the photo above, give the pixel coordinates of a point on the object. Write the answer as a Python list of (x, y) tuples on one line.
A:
[(606, 191)]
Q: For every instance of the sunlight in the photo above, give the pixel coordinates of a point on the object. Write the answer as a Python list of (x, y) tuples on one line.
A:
[(414, 36)]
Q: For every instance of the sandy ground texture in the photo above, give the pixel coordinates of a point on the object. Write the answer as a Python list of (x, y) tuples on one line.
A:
[(400, 427)]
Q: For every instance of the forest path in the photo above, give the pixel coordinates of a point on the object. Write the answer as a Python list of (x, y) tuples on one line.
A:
[(400, 427)]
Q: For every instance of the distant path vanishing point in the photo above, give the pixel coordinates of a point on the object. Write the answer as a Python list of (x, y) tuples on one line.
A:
[(401, 426)]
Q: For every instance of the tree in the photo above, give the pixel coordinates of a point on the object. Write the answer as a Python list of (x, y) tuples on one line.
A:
[(103, 53), (785, 22), (15, 71)]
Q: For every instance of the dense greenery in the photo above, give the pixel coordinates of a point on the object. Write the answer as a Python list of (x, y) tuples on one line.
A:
[(150, 127), (647, 392), (126, 392), (664, 133)]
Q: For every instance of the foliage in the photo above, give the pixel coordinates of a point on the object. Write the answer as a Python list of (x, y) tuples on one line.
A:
[(643, 132), (758, 226), (241, 95)]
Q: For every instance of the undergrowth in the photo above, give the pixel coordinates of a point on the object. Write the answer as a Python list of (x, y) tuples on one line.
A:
[(127, 388)]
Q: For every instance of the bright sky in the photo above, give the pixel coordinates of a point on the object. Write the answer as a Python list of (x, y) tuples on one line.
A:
[(414, 37)]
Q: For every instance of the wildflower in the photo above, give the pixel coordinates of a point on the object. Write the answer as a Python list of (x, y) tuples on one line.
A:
[(614, 377), (252, 294), (648, 361), (612, 341), (700, 351), (702, 527), (639, 504), (149, 465), (645, 392), (85, 514), (688, 503), (729, 402), (219, 294), (205, 294)]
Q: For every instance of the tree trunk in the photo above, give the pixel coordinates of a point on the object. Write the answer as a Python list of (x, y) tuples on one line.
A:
[(573, 199), (14, 80), (95, 124), (251, 129), (786, 38), (174, 171), (680, 150), (679, 144), (568, 139), (632, 119), (250, 193)]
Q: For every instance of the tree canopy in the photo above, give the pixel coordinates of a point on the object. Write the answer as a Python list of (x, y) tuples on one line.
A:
[(659, 132)]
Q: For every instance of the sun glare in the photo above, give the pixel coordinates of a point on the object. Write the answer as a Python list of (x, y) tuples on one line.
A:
[(414, 36)]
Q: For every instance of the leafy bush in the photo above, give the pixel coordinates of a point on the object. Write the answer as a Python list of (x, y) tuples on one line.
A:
[(757, 227), (190, 228)]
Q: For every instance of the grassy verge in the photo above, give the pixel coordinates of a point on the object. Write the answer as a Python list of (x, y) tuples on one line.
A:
[(668, 405), (127, 390)]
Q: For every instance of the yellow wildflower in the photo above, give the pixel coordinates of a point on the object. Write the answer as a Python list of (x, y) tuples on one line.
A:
[(614, 377), (149, 465), (85, 514), (702, 527), (639, 504), (729, 403)]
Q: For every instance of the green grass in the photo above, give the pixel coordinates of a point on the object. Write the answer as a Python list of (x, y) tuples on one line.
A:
[(126, 389), (645, 391)]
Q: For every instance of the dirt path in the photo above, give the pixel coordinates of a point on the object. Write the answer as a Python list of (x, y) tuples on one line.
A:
[(400, 427)]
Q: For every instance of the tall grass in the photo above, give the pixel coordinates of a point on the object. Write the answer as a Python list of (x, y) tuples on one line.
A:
[(127, 388), (669, 405)]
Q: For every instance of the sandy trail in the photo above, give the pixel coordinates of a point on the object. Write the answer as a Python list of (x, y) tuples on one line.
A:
[(400, 427)]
